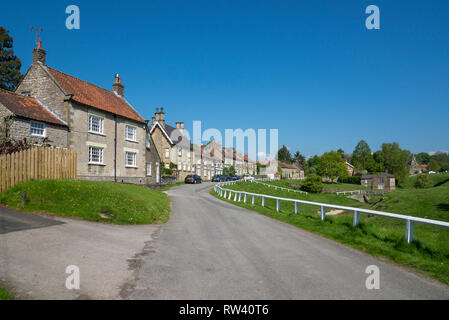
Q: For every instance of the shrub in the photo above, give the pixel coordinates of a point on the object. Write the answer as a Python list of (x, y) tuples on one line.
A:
[(422, 181), (351, 180), (312, 184)]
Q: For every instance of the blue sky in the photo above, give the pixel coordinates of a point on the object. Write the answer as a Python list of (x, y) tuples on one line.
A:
[(309, 68)]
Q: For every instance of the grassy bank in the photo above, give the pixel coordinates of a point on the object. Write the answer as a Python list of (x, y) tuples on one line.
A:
[(5, 295), (93, 201), (332, 187), (383, 237)]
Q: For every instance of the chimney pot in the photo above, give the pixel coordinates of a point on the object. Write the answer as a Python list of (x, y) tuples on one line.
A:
[(118, 87), (39, 54)]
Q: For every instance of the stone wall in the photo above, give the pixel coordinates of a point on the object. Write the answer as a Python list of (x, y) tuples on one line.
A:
[(40, 85)]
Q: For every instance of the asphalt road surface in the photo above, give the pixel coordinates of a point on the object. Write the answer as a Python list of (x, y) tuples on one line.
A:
[(214, 250), (208, 250)]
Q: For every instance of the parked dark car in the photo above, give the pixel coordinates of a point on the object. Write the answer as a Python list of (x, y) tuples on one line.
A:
[(193, 178), (228, 178), (218, 178), (235, 178)]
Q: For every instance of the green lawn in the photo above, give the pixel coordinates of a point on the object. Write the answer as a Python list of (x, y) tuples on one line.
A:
[(435, 180), (5, 295), (93, 201), (327, 185), (428, 254)]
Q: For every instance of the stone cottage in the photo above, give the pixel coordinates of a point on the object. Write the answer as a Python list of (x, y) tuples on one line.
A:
[(108, 134), (381, 182), (173, 145), (25, 117)]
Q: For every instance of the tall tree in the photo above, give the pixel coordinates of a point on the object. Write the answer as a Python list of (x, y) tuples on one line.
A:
[(342, 153), (362, 158), (284, 155), (434, 165), (9, 64), (423, 158), (396, 160), (299, 159), (332, 165)]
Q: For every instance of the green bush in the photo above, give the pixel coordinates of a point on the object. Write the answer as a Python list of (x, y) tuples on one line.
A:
[(422, 181), (351, 180), (312, 184)]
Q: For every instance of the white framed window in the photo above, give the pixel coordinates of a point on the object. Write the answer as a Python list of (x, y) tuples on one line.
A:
[(184, 166), (179, 165), (131, 133), (131, 159), (37, 129), (180, 152), (380, 186), (96, 124), (167, 153), (95, 155), (148, 143), (148, 169)]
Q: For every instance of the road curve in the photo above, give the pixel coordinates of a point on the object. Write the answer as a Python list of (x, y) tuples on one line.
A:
[(215, 250)]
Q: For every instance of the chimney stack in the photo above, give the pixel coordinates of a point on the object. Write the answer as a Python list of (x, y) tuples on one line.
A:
[(159, 116), (39, 54), (118, 87)]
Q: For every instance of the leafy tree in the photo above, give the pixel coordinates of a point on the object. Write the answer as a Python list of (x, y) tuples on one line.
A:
[(9, 64), (284, 155), (341, 152), (396, 160), (312, 184), (422, 181), (434, 165), (229, 171), (332, 165), (362, 158), (423, 158), (313, 161), (299, 159)]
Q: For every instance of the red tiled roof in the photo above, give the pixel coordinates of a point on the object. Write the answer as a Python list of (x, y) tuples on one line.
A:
[(424, 166), (287, 166), (27, 107), (94, 96)]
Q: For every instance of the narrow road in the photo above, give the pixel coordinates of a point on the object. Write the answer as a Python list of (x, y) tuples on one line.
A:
[(214, 250)]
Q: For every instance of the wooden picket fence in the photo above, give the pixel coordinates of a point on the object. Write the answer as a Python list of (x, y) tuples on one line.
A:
[(38, 164)]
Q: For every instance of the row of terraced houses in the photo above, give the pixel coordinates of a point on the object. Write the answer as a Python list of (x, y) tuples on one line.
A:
[(113, 142)]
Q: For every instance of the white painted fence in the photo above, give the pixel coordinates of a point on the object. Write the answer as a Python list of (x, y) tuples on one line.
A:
[(236, 195)]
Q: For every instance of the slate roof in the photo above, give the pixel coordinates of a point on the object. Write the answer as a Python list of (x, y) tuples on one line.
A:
[(94, 96), (28, 107)]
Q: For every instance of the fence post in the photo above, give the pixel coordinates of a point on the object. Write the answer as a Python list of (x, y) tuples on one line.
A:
[(244, 199), (356, 221), (323, 213), (235, 197), (409, 228), (254, 200), (263, 201), (240, 197), (230, 195), (296, 207), (278, 205)]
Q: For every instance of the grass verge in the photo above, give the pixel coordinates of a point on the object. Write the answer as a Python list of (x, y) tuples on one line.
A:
[(93, 201), (5, 295), (378, 236)]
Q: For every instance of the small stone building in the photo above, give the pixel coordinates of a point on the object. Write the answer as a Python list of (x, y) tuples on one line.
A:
[(25, 117), (381, 182), (291, 171)]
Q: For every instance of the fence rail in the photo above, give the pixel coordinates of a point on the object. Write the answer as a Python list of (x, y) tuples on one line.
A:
[(277, 187), (236, 195), (38, 164)]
